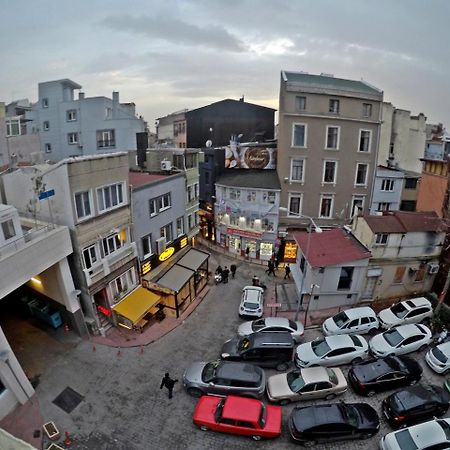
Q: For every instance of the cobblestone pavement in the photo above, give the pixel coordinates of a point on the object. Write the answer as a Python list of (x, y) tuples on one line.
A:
[(123, 407)]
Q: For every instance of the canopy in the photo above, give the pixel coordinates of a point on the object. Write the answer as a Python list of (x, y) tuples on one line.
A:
[(175, 278), (193, 259), (134, 306)]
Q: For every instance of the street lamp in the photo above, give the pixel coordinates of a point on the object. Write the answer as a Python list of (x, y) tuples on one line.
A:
[(317, 229)]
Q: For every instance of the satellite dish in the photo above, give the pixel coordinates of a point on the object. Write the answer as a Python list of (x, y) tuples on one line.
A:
[(209, 143)]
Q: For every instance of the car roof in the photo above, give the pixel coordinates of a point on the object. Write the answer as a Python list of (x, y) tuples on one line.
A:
[(428, 433), (339, 340), (252, 295), (272, 337), (241, 408), (417, 395), (314, 374), (444, 348), (238, 371), (372, 369), (310, 416), (276, 322), (416, 302), (253, 288), (363, 311), (411, 329)]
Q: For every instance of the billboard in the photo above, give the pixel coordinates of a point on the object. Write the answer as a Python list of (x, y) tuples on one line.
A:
[(252, 155)]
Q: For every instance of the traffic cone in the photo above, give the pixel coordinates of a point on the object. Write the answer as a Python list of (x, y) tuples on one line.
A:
[(67, 440)]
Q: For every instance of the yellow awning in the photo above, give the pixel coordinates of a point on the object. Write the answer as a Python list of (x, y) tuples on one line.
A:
[(134, 306)]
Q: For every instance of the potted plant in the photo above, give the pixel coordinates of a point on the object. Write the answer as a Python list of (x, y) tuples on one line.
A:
[(51, 431)]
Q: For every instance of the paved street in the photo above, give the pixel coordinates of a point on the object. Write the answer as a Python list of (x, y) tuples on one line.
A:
[(124, 408)]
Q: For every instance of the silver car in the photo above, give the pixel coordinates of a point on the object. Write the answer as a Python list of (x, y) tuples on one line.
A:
[(274, 324), (224, 378)]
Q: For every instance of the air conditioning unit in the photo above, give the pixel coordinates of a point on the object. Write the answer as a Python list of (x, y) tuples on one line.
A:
[(433, 269), (166, 165), (161, 244)]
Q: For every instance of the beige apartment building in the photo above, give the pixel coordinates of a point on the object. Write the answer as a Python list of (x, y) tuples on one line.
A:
[(327, 146)]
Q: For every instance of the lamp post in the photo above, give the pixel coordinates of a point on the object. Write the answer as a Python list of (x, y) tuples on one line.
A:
[(317, 229)]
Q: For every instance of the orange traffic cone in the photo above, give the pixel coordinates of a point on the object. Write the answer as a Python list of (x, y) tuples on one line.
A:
[(67, 440)]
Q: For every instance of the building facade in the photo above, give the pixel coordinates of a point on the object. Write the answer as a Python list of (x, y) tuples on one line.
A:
[(327, 146), (387, 190)]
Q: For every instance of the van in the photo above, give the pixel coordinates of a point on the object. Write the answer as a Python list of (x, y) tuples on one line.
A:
[(268, 349)]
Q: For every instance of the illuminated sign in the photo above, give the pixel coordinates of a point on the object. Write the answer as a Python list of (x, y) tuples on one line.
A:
[(183, 242), (104, 310), (290, 251), (167, 253), (146, 267)]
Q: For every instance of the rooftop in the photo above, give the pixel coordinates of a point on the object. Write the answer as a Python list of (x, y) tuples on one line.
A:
[(137, 179), (404, 222), (250, 178), (331, 247)]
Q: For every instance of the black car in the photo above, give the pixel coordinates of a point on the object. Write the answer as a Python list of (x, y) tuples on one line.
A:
[(376, 375), (310, 425), (415, 404)]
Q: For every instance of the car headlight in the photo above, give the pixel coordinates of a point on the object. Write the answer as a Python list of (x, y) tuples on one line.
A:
[(259, 310)]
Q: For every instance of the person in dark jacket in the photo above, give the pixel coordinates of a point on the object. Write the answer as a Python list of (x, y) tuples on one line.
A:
[(287, 272), (233, 270), (168, 383), (225, 274), (271, 268)]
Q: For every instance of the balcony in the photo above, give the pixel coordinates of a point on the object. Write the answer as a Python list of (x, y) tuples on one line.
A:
[(108, 143)]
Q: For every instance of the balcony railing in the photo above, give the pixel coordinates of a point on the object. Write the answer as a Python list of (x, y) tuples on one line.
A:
[(106, 143)]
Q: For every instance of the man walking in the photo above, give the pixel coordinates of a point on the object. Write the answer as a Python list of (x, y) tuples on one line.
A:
[(270, 268), (233, 270), (225, 274), (287, 272), (168, 383)]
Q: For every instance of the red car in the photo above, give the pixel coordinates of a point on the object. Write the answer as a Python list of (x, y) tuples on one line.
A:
[(238, 415)]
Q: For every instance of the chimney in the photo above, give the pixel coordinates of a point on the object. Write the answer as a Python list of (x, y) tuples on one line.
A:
[(115, 98), (80, 95)]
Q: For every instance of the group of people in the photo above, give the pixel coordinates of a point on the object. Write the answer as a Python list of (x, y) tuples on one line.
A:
[(225, 272), (272, 265)]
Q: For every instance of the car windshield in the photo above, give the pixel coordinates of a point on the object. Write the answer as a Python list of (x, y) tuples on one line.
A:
[(340, 319), (399, 310), (251, 305), (209, 371), (405, 440), (320, 347), (293, 325), (445, 428), (393, 337), (332, 376), (356, 341), (295, 380), (439, 355), (262, 416), (244, 344), (258, 324), (350, 413)]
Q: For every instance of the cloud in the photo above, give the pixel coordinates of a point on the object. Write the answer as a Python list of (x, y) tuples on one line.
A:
[(176, 31)]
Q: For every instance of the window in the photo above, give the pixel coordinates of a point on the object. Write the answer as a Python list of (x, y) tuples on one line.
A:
[(408, 205), (152, 206), (108, 113), (381, 238), (122, 284), (180, 226), (83, 204), (367, 109), (297, 170), (332, 138), (298, 135), (110, 197), (410, 183), (271, 196), (48, 148), (106, 138), (71, 115), (190, 223), (295, 205), (345, 280), (357, 204), (166, 232), (362, 170), (111, 244), (235, 194), (329, 171), (365, 137), (383, 206), (146, 242), (12, 127), (300, 103), (90, 256), (190, 197), (326, 206), (399, 272), (46, 125), (387, 185), (196, 191), (164, 202), (72, 138), (251, 196), (420, 275), (8, 229), (45, 102), (334, 106)]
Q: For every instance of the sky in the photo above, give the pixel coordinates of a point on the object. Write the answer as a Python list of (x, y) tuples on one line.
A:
[(169, 55)]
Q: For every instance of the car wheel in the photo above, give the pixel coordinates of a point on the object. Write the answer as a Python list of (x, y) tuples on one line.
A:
[(310, 443), (423, 347), (204, 428), (356, 360), (282, 367), (366, 436), (256, 437), (284, 402), (373, 331), (370, 393), (195, 392), (446, 372), (330, 397), (413, 382)]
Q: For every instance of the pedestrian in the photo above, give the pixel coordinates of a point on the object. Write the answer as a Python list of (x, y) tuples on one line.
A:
[(277, 263), (270, 268), (255, 280), (287, 272), (225, 274), (247, 252), (168, 383), (219, 270), (233, 270)]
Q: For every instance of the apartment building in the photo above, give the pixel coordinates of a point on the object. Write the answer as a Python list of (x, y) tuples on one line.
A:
[(69, 126), (89, 195), (328, 138), (387, 191)]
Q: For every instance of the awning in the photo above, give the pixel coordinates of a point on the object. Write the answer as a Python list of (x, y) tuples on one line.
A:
[(134, 306), (374, 272), (193, 259), (175, 278)]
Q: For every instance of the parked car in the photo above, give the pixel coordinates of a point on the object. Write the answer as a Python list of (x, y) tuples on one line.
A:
[(273, 324), (252, 303), (263, 349), (306, 384), (438, 358), (332, 351), (310, 425), (355, 320), (238, 415), (432, 435), (224, 378), (415, 404), (401, 340), (376, 375), (414, 310)]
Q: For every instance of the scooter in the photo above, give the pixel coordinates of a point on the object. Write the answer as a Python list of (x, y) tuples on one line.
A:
[(218, 278)]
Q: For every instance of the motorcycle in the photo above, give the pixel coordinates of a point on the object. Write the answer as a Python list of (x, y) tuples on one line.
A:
[(218, 278)]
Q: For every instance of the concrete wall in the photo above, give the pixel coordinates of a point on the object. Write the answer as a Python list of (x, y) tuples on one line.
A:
[(431, 194)]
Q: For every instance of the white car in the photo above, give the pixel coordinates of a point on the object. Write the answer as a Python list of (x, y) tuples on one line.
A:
[(401, 340), (251, 302), (274, 324), (438, 358), (351, 321), (332, 351), (432, 435), (414, 310)]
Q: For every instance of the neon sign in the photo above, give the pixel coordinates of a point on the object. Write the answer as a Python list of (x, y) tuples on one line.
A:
[(167, 253)]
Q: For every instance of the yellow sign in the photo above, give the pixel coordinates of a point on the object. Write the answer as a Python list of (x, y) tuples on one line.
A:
[(290, 251), (183, 242), (146, 267), (167, 253)]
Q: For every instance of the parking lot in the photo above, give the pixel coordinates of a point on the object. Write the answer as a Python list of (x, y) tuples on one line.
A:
[(123, 407)]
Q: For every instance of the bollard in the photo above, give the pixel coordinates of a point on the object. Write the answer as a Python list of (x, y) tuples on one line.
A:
[(67, 440)]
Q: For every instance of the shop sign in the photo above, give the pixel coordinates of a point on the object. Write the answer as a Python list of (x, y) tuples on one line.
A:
[(104, 310), (166, 254), (290, 250), (244, 233)]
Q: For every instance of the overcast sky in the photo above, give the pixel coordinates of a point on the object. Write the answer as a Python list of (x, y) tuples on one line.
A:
[(168, 55)]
